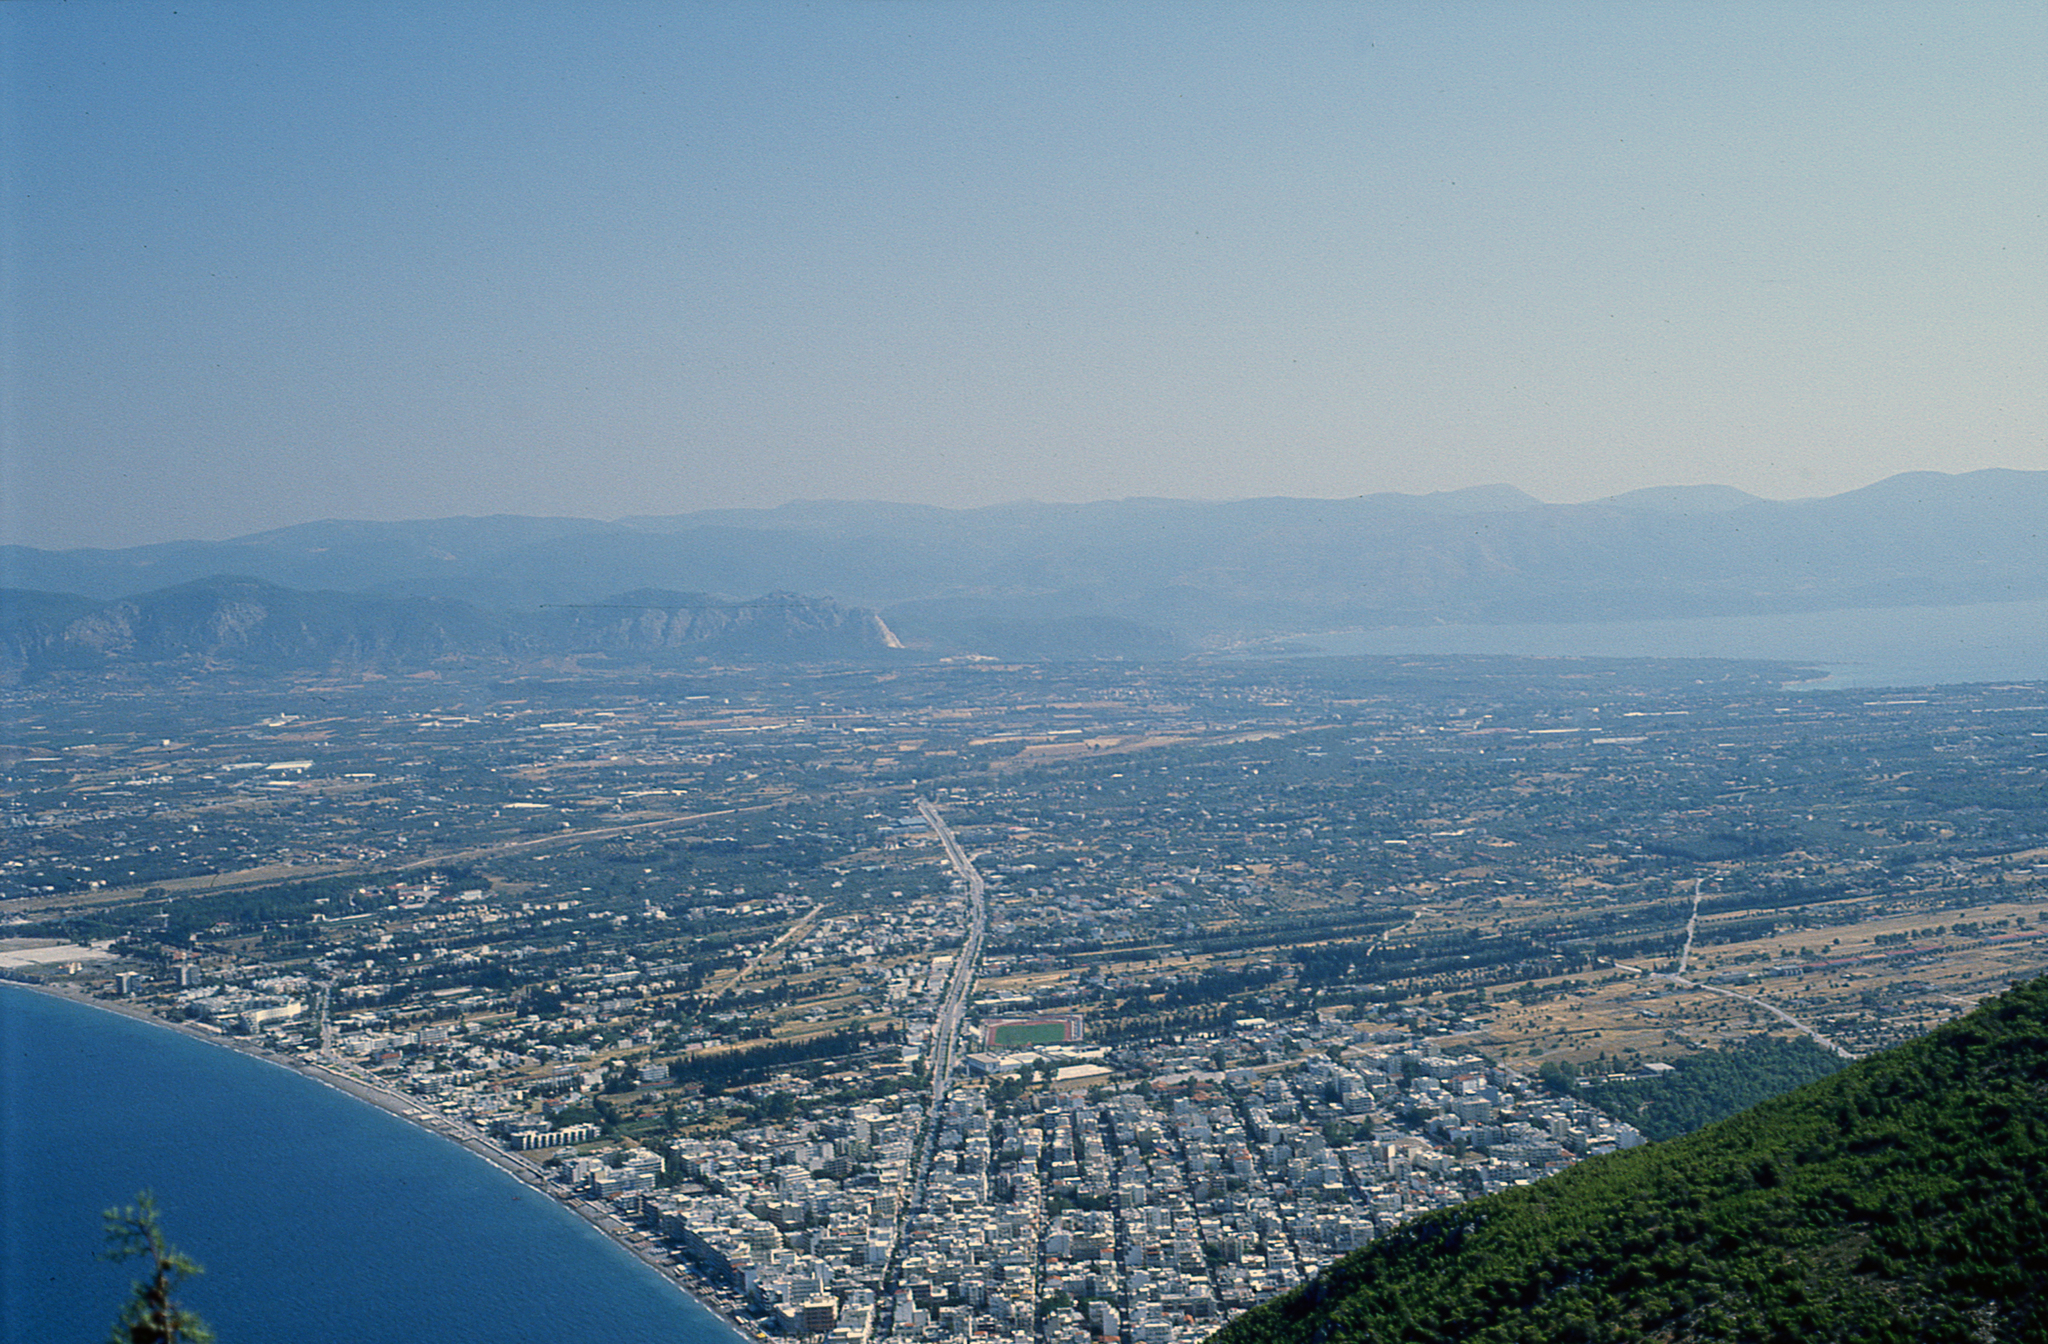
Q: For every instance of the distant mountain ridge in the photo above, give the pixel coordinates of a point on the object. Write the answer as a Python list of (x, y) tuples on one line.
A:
[(249, 623), (1685, 499), (1156, 576)]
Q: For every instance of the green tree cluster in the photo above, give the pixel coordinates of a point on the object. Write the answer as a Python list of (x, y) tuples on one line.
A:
[(1712, 1085)]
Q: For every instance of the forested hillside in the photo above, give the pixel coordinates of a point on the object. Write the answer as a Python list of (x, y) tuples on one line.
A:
[(1904, 1198)]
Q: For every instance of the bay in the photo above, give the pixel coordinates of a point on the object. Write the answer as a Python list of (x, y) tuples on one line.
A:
[(1872, 647), (317, 1216)]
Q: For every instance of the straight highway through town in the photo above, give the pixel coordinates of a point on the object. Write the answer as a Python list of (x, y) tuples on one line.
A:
[(946, 1030)]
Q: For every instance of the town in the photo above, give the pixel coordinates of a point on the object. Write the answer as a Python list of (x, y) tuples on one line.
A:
[(1025, 1002)]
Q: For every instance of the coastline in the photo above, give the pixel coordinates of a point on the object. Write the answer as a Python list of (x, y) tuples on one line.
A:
[(424, 1117)]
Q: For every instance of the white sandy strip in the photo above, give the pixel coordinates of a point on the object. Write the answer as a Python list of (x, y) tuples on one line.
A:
[(52, 956)]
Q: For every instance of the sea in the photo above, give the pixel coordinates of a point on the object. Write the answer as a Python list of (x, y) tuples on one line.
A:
[(1869, 648), (317, 1217)]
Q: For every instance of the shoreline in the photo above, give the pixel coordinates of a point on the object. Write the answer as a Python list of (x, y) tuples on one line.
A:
[(432, 1121)]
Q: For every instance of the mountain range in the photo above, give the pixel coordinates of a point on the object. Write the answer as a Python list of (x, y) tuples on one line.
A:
[(254, 625), (1126, 578)]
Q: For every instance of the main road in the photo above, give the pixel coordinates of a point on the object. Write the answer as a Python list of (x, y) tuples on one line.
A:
[(946, 1030), (945, 1036)]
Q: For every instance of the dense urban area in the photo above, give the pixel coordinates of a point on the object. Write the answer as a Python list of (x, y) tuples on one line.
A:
[(1031, 1002)]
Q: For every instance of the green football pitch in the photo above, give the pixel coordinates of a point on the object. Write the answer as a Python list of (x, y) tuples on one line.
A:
[(1030, 1033)]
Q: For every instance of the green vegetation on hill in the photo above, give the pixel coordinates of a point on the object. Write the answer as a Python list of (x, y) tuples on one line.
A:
[(1904, 1198), (1713, 1085)]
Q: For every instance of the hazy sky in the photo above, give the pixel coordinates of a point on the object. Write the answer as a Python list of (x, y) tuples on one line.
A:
[(270, 262)]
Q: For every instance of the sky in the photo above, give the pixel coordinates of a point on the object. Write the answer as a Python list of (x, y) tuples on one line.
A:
[(266, 262)]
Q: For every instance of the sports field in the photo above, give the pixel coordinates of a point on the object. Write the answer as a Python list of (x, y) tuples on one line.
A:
[(1029, 1033)]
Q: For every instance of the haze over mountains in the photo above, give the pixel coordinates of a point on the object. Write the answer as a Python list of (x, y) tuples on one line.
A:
[(1126, 578)]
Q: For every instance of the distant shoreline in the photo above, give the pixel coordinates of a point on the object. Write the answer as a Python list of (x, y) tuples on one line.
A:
[(421, 1117), (1856, 648)]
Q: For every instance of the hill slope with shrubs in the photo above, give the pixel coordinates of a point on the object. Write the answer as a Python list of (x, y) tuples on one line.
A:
[(1904, 1198)]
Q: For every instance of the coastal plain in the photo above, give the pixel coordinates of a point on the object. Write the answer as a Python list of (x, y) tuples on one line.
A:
[(1239, 965)]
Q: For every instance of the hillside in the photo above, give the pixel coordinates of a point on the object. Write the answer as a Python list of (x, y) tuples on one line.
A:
[(1905, 1198)]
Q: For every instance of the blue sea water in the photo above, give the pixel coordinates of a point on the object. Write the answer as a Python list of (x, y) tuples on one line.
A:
[(1868, 648), (317, 1217)]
